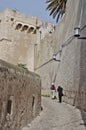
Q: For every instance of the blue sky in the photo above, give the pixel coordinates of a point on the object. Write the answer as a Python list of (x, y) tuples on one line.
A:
[(35, 8)]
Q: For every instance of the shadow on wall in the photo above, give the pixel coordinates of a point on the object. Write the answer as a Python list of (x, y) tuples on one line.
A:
[(83, 114)]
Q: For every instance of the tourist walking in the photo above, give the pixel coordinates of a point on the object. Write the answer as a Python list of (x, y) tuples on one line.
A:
[(60, 93), (53, 90)]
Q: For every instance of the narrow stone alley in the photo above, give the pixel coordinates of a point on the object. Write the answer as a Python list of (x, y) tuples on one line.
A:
[(58, 116)]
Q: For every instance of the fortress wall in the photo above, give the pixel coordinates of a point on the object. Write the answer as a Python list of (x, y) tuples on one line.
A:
[(18, 37), (37, 48), (19, 50), (20, 96), (81, 103), (68, 73), (43, 53), (16, 44), (53, 43)]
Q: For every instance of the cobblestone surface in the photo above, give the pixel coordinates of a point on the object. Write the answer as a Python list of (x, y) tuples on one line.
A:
[(58, 116)]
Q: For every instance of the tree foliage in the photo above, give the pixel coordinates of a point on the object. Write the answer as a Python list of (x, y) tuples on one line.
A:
[(56, 7)]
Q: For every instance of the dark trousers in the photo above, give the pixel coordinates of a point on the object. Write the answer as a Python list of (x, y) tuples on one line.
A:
[(60, 98)]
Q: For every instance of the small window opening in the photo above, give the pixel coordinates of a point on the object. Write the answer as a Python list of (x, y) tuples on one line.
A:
[(50, 31), (31, 29), (12, 19), (9, 106), (24, 28), (33, 106), (33, 101), (38, 27), (18, 26)]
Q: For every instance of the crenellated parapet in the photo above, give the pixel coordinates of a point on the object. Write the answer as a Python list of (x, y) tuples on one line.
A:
[(46, 29), (19, 22), (30, 24)]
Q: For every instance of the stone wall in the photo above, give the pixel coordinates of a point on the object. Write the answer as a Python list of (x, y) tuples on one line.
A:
[(70, 71), (20, 96), (53, 43), (81, 103), (19, 35), (29, 46)]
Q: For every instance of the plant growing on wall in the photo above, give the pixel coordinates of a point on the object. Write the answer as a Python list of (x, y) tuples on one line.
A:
[(56, 7), (22, 66)]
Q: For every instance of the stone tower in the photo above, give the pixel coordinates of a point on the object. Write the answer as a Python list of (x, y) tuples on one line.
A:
[(19, 36)]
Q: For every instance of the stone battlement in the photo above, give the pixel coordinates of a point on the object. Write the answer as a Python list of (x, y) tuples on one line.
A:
[(20, 22)]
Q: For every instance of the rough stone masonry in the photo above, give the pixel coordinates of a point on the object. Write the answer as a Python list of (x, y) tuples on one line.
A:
[(20, 96)]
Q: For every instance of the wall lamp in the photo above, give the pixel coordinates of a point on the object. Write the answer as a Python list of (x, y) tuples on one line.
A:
[(77, 33), (54, 58)]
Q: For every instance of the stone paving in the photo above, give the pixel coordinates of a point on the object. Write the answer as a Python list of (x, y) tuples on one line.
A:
[(58, 116)]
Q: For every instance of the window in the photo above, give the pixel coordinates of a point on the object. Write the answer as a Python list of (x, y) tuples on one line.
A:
[(25, 27), (12, 19), (10, 105), (33, 106), (18, 26), (31, 29)]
